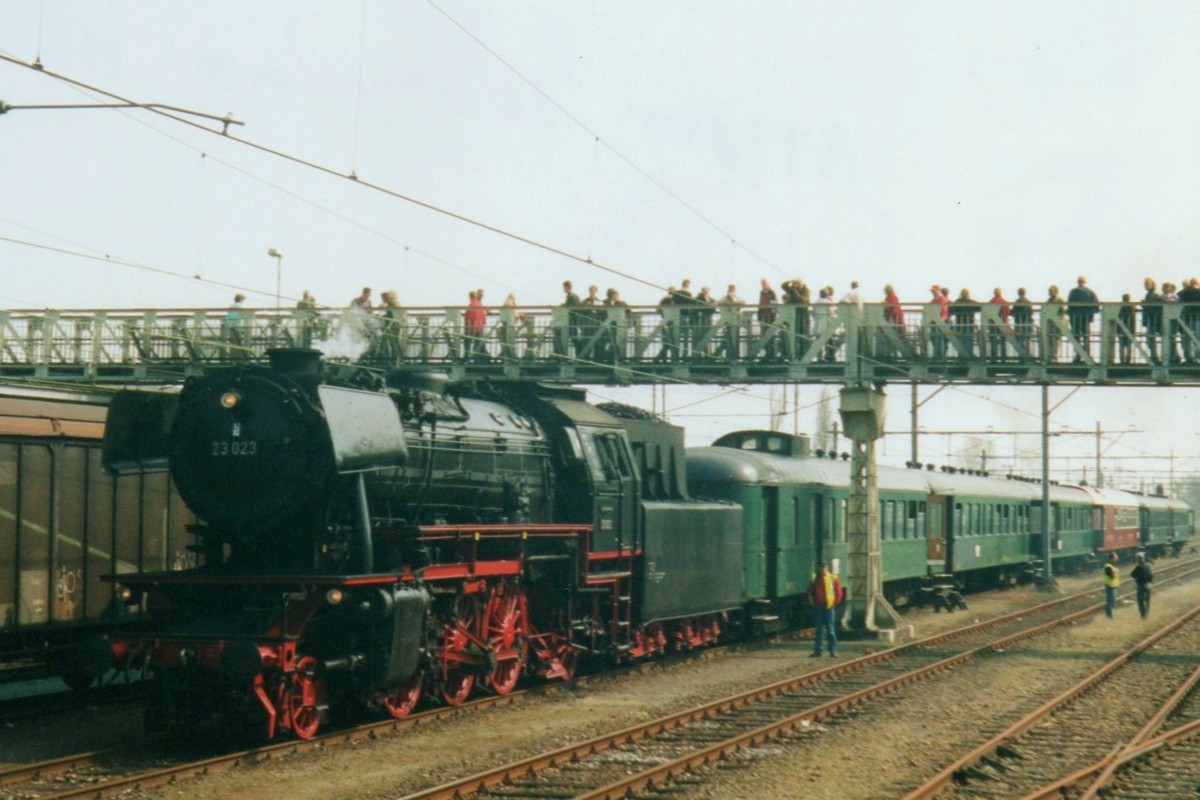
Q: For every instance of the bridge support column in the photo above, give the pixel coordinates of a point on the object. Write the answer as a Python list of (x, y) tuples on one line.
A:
[(863, 414)]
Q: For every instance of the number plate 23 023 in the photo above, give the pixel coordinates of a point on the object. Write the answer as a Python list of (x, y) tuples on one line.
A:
[(240, 447)]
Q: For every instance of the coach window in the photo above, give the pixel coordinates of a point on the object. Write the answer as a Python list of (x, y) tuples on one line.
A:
[(841, 528), (919, 533), (957, 525)]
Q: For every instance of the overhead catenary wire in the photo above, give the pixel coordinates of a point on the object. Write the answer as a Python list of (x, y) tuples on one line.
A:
[(604, 142), (587, 259), (517, 237), (327, 170)]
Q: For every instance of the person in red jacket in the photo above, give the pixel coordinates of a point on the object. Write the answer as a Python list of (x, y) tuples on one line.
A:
[(996, 330), (474, 320), (825, 592)]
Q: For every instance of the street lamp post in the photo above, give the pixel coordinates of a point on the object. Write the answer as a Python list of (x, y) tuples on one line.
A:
[(278, 256)]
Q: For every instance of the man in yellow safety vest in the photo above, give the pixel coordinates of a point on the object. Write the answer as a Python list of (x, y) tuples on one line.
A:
[(1112, 579)]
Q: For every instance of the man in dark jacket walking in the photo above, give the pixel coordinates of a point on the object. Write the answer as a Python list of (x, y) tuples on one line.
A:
[(1143, 577)]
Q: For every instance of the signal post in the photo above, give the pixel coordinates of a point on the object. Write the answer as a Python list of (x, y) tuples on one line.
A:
[(863, 415)]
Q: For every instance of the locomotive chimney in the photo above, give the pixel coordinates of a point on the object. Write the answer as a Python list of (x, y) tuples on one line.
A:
[(296, 362)]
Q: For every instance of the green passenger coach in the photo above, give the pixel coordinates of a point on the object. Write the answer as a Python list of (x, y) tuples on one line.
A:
[(936, 528)]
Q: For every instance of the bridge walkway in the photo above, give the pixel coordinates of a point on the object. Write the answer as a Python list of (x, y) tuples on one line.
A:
[(828, 343)]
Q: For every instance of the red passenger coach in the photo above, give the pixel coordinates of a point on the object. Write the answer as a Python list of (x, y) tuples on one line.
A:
[(1116, 519)]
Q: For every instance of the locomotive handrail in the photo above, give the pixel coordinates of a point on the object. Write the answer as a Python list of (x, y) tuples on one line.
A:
[(643, 344)]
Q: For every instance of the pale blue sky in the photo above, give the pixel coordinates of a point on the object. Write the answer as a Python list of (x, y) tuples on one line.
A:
[(963, 143)]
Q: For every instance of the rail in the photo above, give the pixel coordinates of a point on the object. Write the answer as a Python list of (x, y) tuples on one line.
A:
[(602, 344)]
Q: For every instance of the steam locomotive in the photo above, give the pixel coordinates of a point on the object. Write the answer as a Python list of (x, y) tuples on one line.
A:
[(368, 539)]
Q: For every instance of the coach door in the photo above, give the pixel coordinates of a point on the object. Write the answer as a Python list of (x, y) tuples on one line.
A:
[(936, 525), (773, 540)]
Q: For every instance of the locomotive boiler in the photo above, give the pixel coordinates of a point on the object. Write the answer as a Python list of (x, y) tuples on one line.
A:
[(369, 539)]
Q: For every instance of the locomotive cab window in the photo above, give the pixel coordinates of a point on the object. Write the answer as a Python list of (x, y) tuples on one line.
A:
[(607, 456)]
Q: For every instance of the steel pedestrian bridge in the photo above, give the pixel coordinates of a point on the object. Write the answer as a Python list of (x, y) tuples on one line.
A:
[(820, 343)]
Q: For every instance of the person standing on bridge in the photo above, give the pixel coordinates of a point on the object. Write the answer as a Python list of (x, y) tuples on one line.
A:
[(307, 318), (767, 314), (1143, 577), (893, 317), (237, 328), (1022, 317), (363, 301), (1126, 328), (566, 329), (853, 309), (474, 320), (1053, 311), (731, 320), (1170, 342), (998, 327), (937, 328), (702, 322), (1189, 297), (824, 314), (825, 592), (798, 298), (1112, 579), (1081, 307), (963, 311), (1152, 319)]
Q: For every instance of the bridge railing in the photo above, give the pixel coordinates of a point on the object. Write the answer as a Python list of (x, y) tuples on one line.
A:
[(818, 336)]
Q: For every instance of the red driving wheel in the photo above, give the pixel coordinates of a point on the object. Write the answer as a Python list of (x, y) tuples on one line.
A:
[(505, 633), (304, 698)]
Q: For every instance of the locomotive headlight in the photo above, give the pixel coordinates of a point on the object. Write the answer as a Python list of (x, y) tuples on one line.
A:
[(334, 596), (129, 596), (230, 399)]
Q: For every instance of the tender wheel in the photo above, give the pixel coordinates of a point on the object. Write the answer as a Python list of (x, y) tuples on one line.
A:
[(400, 702), (304, 698), (505, 633)]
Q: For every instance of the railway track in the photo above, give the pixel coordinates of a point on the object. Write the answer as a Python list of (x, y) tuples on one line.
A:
[(107, 773), (112, 771), (669, 752), (1076, 740), (834, 689)]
